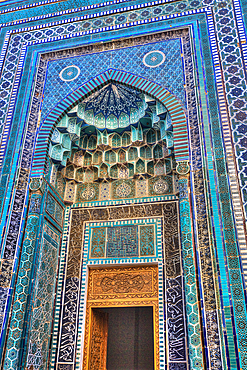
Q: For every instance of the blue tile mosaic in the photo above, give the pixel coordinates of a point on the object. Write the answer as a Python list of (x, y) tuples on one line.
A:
[(169, 74)]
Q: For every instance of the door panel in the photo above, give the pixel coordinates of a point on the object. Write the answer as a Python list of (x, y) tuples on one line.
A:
[(98, 342)]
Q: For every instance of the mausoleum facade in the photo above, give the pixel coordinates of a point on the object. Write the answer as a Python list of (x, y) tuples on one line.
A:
[(123, 173)]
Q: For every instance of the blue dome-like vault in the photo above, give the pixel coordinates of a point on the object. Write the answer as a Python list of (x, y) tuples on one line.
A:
[(113, 108), (61, 114)]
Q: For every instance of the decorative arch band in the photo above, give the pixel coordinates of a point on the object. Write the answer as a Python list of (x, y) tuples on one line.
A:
[(179, 122)]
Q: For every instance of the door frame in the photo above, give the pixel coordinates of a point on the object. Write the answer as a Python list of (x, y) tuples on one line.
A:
[(149, 298)]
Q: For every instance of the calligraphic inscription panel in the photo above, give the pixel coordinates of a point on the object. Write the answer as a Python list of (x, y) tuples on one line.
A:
[(175, 320), (123, 241)]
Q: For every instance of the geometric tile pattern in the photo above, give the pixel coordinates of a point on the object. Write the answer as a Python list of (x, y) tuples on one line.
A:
[(236, 87), (230, 249), (43, 300), (227, 134), (233, 110), (22, 286), (191, 293)]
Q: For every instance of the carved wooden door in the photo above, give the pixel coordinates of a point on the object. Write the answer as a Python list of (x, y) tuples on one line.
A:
[(98, 342)]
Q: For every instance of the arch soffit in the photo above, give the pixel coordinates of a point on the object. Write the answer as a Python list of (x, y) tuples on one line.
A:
[(178, 116)]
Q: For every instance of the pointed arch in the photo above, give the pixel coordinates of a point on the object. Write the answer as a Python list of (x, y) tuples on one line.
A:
[(177, 113)]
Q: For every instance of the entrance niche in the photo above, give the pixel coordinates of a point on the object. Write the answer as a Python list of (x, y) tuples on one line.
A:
[(122, 319), (122, 338), (112, 160)]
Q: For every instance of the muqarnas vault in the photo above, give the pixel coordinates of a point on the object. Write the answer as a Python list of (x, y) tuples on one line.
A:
[(123, 185)]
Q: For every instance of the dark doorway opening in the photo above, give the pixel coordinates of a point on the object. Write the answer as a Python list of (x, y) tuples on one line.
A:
[(130, 342)]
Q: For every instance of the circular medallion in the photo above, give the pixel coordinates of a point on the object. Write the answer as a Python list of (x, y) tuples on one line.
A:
[(154, 59), (123, 190), (160, 186), (69, 73), (35, 184), (88, 193), (182, 167)]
